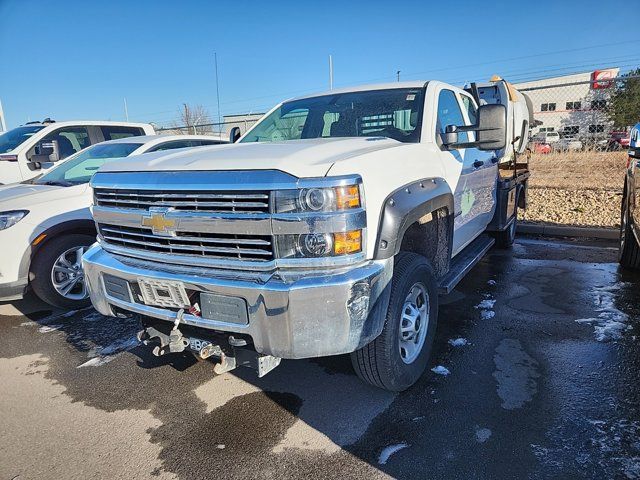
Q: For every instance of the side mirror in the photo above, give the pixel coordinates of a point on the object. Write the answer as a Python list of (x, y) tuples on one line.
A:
[(234, 134), (634, 152), (492, 127), (46, 151), (491, 130)]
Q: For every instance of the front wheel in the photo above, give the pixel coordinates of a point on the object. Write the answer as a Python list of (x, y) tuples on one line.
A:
[(396, 359), (629, 250), (57, 276)]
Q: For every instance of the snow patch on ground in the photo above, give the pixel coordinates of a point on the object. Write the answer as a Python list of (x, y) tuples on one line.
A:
[(486, 304), (440, 370), (482, 434), (101, 355), (487, 314), (49, 328), (458, 342), (390, 450), (610, 323), (491, 283)]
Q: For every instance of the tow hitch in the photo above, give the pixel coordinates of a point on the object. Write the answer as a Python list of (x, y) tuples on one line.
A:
[(225, 360)]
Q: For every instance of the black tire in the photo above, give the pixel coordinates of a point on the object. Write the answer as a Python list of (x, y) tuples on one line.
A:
[(629, 250), (42, 266), (380, 362)]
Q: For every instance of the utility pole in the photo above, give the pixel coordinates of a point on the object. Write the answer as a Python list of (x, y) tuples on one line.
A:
[(3, 125), (215, 56), (398, 74), (330, 72), (126, 111)]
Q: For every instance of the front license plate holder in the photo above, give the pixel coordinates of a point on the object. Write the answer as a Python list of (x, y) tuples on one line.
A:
[(163, 293)]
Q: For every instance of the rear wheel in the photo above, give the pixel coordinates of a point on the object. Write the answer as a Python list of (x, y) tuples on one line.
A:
[(57, 271), (629, 250), (396, 359)]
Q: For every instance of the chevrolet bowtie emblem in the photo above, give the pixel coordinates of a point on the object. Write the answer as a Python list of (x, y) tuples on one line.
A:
[(159, 223)]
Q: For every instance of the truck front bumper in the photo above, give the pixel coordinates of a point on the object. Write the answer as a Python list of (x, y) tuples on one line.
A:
[(300, 315)]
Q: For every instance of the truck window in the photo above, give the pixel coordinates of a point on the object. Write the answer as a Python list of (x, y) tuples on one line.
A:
[(392, 113), (13, 138), (70, 140), (449, 113), (115, 132)]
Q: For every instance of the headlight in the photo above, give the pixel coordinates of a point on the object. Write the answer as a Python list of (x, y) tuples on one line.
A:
[(316, 245), (8, 219), (317, 199)]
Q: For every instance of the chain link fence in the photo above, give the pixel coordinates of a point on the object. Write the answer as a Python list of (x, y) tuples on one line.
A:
[(578, 146)]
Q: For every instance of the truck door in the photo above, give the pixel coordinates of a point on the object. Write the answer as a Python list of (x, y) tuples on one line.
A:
[(468, 194), (486, 202)]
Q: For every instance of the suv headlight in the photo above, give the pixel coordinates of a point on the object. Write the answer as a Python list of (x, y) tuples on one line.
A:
[(9, 219), (315, 199)]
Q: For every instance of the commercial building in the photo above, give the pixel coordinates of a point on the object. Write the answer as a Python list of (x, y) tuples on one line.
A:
[(572, 105)]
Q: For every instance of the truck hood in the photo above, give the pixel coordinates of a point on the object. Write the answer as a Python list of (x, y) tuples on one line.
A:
[(23, 196), (301, 158)]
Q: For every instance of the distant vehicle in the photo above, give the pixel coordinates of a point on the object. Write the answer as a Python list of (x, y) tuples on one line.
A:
[(619, 140), (629, 251), (543, 148), (546, 137), (568, 144), (28, 150), (45, 223)]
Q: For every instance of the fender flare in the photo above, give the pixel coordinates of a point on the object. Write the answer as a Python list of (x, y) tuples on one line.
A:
[(63, 228), (407, 205)]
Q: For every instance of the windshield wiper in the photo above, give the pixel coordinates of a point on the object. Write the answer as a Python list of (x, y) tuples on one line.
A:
[(57, 183)]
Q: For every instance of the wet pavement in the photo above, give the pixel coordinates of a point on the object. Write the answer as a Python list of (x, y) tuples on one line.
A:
[(538, 358)]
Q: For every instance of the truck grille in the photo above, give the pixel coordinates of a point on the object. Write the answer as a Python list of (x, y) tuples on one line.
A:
[(209, 245), (189, 201)]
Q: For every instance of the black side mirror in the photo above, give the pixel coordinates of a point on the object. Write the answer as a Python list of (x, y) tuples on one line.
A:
[(492, 127), (46, 151), (491, 130), (234, 134)]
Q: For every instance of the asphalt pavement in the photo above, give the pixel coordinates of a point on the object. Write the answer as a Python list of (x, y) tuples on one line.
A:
[(535, 375)]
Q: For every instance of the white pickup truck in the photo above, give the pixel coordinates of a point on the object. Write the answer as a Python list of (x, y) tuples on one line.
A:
[(330, 227), (31, 149)]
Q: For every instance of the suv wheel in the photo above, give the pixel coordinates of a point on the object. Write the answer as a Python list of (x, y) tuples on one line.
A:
[(629, 250), (396, 359), (56, 271)]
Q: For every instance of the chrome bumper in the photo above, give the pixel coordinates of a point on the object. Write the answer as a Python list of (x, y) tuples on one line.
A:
[(315, 314)]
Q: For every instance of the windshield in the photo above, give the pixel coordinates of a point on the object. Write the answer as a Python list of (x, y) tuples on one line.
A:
[(394, 113), (11, 139), (79, 168)]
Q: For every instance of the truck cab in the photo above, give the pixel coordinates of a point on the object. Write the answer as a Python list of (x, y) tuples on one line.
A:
[(331, 227), (31, 149)]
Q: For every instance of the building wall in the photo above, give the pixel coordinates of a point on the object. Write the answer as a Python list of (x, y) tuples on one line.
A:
[(554, 101)]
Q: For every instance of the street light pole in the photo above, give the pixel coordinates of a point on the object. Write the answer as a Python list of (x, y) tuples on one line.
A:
[(215, 56)]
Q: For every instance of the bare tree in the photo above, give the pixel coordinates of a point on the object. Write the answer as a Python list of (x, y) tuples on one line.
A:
[(193, 119)]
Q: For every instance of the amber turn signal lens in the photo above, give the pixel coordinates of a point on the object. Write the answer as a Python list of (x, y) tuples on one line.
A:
[(347, 197), (348, 242)]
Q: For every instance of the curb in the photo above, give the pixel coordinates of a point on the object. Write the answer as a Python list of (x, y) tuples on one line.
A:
[(565, 231)]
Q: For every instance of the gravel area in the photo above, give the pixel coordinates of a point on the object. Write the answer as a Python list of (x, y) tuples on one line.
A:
[(576, 188)]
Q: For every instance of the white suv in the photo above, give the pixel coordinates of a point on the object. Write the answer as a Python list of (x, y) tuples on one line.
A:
[(45, 223), (28, 150)]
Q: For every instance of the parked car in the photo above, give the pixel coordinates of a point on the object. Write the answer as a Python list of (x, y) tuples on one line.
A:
[(331, 228), (543, 148), (31, 149), (629, 249), (546, 137), (619, 140), (568, 144), (45, 223)]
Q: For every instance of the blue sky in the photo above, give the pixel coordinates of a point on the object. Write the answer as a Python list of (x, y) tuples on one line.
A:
[(73, 59)]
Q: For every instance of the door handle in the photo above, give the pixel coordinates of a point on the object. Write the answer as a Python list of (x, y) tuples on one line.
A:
[(494, 159), (478, 164)]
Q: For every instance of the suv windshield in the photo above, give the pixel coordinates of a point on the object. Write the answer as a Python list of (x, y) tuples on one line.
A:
[(11, 139), (393, 113), (79, 168)]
